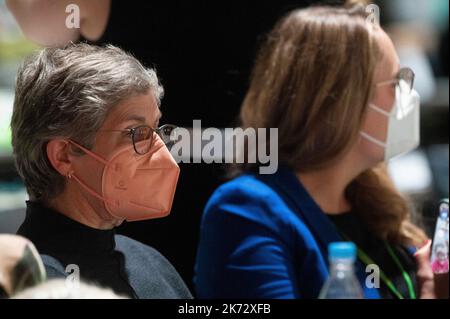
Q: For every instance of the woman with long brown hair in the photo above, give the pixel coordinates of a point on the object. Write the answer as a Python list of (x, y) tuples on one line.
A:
[(331, 82)]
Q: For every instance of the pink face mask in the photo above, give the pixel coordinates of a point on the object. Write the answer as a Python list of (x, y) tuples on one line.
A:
[(136, 187)]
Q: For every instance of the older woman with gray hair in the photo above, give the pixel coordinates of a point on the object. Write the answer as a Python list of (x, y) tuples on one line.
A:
[(88, 148)]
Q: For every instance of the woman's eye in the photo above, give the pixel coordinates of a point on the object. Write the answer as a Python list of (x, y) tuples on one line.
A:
[(138, 137), (127, 134), (142, 134)]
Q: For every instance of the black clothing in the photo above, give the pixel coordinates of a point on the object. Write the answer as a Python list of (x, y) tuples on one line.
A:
[(104, 258)]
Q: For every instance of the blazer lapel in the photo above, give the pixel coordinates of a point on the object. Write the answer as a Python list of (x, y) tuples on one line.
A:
[(288, 186)]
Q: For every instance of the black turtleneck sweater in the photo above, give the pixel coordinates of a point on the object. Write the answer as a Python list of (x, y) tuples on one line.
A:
[(104, 258)]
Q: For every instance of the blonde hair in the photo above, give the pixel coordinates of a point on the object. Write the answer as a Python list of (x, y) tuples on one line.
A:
[(313, 79)]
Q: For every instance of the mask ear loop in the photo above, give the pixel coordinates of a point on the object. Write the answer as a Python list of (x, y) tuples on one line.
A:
[(380, 110), (87, 188), (95, 156), (371, 138)]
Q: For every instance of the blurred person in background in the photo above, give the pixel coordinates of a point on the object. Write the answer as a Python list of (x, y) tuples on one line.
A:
[(61, 289), (21, 266), (88, 146), (332, 84)]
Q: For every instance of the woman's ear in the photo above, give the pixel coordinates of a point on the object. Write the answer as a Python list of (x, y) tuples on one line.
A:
[(58, 153)]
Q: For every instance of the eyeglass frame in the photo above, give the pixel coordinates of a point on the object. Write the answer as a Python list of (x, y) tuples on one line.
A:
[(398, 78), (133, 130)]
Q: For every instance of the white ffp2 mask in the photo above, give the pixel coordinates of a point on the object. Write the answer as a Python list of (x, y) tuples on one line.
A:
[(403, 133)]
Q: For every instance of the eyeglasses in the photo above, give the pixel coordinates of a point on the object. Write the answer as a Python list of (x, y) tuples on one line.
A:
[(404, 80), (143, 136)]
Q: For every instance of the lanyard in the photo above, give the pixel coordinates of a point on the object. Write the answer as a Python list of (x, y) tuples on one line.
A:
[(367, 261)]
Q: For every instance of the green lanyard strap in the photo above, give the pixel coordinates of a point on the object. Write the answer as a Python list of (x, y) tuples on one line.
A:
[(367, 261), (405, 274)]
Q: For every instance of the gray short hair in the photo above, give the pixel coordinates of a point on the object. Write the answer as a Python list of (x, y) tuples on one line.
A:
[(68, 93)]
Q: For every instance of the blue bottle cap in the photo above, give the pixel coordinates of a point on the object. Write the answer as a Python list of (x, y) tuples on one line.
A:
[(342, 250)]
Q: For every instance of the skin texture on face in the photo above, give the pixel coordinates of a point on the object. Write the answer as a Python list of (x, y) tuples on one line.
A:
[(77, 203), (376, 124)]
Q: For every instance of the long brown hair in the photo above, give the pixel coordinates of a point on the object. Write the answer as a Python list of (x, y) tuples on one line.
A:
[(313, 79)]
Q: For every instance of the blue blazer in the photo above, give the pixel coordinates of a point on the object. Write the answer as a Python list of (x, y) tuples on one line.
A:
[(263, 236)]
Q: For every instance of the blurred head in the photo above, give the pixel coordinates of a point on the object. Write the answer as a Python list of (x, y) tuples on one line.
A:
[(314, 80), (60, 289), (21, 266), (81, 93)]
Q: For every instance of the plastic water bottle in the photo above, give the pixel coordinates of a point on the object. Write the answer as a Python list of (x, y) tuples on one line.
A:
[(342, 283)]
